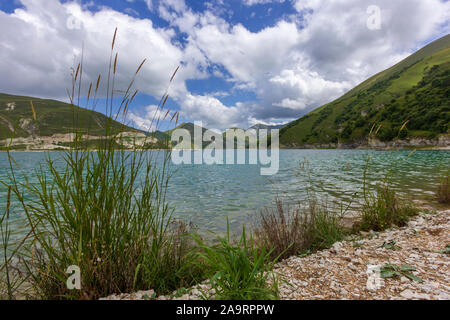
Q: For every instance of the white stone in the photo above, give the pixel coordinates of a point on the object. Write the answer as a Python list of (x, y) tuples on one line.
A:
[(407, 294)]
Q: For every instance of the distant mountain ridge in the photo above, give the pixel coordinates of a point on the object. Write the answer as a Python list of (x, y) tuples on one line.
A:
[(190, 127), (52, 117), (267, 127), (50, 124), (413, 96), (260, 126), (41, 124)]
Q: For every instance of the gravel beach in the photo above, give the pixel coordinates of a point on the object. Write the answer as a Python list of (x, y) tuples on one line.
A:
[(351, 269)]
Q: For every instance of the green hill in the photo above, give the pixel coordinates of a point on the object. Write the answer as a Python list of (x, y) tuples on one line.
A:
[(52, 117), (190, 127), (260, 126), (416, 90)]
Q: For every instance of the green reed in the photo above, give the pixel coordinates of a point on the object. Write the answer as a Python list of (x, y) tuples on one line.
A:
[(383, 208), (239, 271), (103, 210), (443, 190)]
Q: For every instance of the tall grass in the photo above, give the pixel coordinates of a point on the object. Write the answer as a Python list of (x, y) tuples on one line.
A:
[(104, 211), (443, 190), (99, 215), (239, 271), (383, 208), (289, 231), (11, 277)]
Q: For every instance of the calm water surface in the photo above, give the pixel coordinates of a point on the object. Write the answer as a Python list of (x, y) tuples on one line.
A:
[(207, 195)]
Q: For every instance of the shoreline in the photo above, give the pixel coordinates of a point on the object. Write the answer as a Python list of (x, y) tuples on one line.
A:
[(340, 272), (411, 148)]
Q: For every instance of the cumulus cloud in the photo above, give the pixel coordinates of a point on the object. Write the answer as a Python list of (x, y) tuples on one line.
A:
[(40, 42), (253, 2), (298, 63), (213, 112), (309, 59), (148, 119)]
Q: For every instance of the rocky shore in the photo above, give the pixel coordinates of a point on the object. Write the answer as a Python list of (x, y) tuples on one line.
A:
[(440, 143), (351, 269)]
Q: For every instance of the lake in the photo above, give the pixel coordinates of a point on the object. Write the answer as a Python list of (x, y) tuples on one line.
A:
[(207, 194)]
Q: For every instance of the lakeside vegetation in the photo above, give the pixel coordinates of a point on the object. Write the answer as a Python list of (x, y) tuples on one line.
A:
[(443, 191)]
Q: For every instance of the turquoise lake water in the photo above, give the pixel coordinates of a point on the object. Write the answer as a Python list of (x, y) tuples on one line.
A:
[(207, 194)]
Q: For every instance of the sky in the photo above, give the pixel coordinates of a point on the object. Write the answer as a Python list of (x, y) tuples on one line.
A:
[(241, 62)]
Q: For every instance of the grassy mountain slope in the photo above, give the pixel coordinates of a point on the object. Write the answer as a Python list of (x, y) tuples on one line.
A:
[(52, 117), (415, 90), (190, 128), (260, 126)]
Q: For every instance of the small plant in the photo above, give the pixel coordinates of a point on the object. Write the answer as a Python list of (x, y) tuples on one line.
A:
[(392, 271), (447, 249), (443, 191), (180, 292), (357, 244), (239, 271), (390, 246), (305, 254)]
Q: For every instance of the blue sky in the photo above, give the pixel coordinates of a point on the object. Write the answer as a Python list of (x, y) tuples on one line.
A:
[(242, 61)]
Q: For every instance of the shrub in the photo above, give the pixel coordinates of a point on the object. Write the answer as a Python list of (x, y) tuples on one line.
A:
[(443, 191), (387, 133)]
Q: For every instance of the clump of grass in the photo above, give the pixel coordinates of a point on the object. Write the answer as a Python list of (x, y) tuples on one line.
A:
[(289, 231), (104, 211), (383, 209), (446, 250), (11, 278), (443, 191), (239, 271)]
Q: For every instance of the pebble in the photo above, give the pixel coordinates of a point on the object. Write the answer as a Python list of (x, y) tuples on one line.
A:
[(342, 271)]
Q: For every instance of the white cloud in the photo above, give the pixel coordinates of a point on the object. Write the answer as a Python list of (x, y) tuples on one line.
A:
[(308, 87), (213, 112), (44, 39), (291, 104), (149, 4), (310, 59), (149, 119), (253, 2), (293, 66)]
